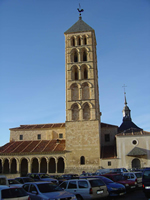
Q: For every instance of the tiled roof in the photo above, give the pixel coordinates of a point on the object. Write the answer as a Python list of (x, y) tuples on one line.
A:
[(136, 151), (133, 131), (37, 146), (39, 126), (108, 152), (79, 26), (127, 124)]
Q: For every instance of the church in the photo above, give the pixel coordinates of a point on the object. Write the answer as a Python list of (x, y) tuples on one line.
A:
[(82, 142)]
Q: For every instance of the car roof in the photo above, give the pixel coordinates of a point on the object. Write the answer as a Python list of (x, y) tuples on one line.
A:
[(3, 187), (39, 182)]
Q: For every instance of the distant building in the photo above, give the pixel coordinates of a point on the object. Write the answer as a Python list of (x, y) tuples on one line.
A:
[(83, 142)]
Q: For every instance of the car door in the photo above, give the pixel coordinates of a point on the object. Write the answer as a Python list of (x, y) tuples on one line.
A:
[(33, 192), (72, 187)]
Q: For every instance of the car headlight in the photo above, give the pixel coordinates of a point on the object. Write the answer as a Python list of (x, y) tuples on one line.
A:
[(126, 184), (114, 188)]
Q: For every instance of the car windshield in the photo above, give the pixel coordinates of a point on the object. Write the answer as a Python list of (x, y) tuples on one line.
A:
[(106, 180), (48, 187), (138, 175), (119, 178), (13, 192), (96, 183), (44, 176), (13, 182), (146, 175)]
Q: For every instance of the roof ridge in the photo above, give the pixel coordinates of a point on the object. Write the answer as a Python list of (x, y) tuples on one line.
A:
[(7, 147), (17, 147), (46, 145)]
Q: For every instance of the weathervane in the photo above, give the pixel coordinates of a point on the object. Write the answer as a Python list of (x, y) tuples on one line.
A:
[(125, 93), (80, 10)]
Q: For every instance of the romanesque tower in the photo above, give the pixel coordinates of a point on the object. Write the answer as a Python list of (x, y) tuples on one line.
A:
[(82, 99)]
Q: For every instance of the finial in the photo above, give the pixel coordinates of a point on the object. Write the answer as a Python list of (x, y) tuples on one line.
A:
[(125, 101), (80, 10)]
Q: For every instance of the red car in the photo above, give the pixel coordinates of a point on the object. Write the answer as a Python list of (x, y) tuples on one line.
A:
[(119, 178)]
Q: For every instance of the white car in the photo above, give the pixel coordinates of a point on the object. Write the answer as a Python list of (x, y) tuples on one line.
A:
[(13, 193), (130, 176)]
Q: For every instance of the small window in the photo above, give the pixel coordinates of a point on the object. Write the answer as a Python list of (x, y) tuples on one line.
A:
[(107, 138), (82, 160), (21, 137), (134, 142), (63, 185), (72, 185), (109, 163), (60, 135), (39, 136), (32, 188)]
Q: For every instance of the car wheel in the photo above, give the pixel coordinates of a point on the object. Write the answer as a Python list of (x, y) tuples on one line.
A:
[(79, 197)]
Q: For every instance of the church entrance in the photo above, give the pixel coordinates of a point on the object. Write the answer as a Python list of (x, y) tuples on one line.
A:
[(136, 163)]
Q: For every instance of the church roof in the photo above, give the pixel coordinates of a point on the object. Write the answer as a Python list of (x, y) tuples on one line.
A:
[(133, 131), (128, 124), (36, 146), (79, 26), (136, 151), (39, 126)]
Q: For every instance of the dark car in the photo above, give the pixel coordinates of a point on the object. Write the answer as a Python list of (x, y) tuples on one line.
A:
[(146, 182), (114, 189), (42, 177), (65, 177), (23, 180), (119, 178)]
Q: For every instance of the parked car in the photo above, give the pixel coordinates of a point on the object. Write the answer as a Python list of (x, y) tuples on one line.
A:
[(42, 177), (23, 180), (13, 182), (139, 178), (90, 188), (13, 193), (70, 176), (146, 182), (119, 170), (130, 176), (46, 191), (114, 189), (119, 178)]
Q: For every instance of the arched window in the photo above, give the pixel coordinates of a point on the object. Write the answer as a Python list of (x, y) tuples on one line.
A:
[(72, 41), (85, 91), (86, 112), (84, 40), (75, 112), (75, 56), (75, 73), (82, 160), (79, 41), (74, 92), (84, 56), (84, 72)]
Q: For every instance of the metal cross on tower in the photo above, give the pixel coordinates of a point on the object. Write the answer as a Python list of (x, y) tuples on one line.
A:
[(80, 10)]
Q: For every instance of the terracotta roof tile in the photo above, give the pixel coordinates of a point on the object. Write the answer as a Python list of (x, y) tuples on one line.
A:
[(39, 126), (38, 146), (133, 131)]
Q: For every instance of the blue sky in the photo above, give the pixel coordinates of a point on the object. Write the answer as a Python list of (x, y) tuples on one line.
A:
[(32, 59)]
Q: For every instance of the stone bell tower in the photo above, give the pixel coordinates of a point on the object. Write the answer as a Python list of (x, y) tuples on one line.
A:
[(82, 99)]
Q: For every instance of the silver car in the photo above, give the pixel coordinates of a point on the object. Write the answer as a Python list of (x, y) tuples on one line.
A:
[(46, 191), (89, 188)]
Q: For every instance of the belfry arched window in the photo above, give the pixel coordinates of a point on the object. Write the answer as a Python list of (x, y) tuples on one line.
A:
[(84, 56), (85, 91), (72, 41), (84, 72), (75, 112), (86, 111), (74, 92), (75, 73), (84, 40), (82, 160), (78, 40), (75, 56)]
